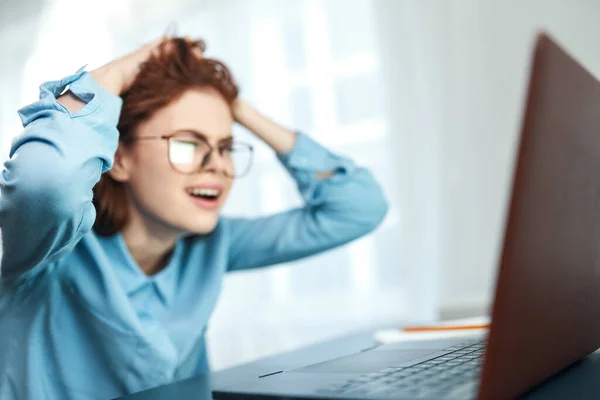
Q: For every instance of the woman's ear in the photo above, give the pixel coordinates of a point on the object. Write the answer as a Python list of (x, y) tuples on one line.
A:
[(120, 171)]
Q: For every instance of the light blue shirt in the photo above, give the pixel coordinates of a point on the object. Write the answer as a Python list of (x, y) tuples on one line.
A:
[(78, 318)]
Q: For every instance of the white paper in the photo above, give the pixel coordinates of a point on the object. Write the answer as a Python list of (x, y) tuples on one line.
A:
[(384, 336)]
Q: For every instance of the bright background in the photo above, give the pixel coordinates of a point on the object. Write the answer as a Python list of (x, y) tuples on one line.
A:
[(425, 93)]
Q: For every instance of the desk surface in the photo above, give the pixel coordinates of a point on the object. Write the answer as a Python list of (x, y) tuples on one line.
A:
[(581, 381)]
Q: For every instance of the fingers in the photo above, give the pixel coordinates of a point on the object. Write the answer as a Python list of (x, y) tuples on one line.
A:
[(129, 65)]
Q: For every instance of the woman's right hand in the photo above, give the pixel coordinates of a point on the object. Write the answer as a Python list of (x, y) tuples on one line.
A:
[(118, 75)]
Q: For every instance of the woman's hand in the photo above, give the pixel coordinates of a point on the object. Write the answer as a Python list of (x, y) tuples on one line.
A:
[(239, 108), (118, 75), (280, 139)]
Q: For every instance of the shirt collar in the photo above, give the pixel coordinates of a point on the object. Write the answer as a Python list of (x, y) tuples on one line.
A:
[(132, 278), (166, 280)]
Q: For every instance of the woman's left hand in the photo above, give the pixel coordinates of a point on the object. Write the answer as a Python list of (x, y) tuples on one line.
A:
[(279, 138), (240, 109)]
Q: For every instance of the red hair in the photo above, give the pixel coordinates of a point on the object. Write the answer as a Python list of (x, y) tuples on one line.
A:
[(173, 69)]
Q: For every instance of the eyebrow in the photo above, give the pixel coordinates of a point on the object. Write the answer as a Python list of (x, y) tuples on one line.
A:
[(205, 137)]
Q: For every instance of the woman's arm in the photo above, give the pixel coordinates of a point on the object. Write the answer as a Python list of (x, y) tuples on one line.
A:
[(279, 138), (342, 203), (46, 185), (68, 141)]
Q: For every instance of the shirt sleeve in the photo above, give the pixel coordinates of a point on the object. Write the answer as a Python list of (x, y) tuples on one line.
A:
[(46, 185), (336, 210)]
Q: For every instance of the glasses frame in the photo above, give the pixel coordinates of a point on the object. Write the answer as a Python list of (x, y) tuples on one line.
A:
[(208, 155)]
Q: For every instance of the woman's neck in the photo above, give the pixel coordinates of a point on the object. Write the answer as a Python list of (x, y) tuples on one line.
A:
[(149, 245)]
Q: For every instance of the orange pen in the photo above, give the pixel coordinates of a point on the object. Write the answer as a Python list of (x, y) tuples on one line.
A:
[(444, 328)]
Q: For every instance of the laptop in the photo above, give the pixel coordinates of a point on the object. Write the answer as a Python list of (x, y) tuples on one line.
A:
[(546, 313)]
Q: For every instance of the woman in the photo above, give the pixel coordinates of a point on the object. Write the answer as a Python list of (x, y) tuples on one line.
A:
[(113, 247)]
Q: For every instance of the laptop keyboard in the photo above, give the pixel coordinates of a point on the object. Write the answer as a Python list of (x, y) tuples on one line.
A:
[(429, 379)]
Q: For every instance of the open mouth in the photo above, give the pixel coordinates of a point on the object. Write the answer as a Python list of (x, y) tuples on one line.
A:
[(207, 194), (207, 198)]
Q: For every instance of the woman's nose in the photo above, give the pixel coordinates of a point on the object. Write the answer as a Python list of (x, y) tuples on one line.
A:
[(213, 161)]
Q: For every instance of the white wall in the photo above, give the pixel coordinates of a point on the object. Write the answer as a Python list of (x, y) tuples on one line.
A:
[(487, 46), (456, 74)]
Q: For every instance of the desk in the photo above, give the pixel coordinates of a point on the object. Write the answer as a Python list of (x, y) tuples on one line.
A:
[(581, 381)]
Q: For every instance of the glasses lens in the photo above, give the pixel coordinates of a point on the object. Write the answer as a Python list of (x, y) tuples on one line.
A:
[(240, 157), (186, 152)]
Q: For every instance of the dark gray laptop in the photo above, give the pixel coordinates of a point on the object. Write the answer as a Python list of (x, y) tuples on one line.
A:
[(546, 313)]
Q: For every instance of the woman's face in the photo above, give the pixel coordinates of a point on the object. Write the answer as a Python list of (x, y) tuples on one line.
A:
[(184, 202)]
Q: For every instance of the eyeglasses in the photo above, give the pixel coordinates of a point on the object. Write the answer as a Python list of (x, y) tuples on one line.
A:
[(190, 152)]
